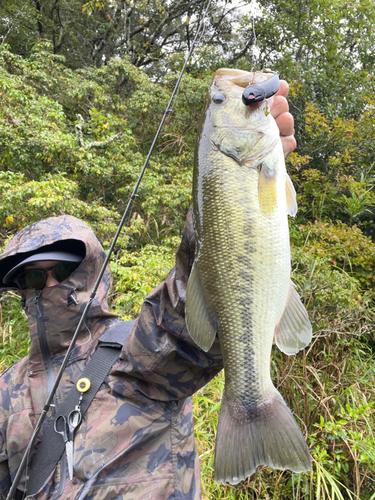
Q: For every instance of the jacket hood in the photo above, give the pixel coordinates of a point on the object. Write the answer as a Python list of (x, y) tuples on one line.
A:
[(64, 233), (54, 312)]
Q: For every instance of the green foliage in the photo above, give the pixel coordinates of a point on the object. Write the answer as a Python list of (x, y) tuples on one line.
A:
[(50, 166), (138, 273), (15, 338), (54, 196), (151, 33), (323, 44), (344, 248), (41, 154), (334, 168)]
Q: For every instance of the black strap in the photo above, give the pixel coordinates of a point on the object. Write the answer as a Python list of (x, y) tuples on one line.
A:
[(52, 446)]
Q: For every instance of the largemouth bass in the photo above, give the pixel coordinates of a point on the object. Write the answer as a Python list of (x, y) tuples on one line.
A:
[(240, 284)]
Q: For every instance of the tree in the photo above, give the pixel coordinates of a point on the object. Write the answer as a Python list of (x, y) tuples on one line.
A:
[(324, 45), (148, 32)]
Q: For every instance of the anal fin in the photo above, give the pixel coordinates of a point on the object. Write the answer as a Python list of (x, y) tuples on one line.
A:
[(200, 324), (294, 331)]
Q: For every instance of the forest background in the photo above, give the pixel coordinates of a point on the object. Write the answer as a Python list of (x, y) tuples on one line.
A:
[(73, 76)]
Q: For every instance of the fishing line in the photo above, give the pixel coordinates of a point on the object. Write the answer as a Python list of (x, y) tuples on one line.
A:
[(254, 33), (255, 13), (89, 337), (48, 402)]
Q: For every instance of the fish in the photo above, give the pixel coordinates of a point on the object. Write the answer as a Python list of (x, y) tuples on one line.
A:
[(240, 285)]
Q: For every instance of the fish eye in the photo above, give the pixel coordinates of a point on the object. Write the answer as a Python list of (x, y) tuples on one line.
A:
[(219, 98)]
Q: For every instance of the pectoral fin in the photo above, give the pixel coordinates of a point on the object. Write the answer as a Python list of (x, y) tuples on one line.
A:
[(267, 191), (294, 330), (201, 326), (291, 197)]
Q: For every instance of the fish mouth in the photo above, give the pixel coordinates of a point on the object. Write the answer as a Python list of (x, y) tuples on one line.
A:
[(234, 81), (240, 77)]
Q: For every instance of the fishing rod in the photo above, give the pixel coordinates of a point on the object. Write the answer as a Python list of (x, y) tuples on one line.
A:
[(49, 400)]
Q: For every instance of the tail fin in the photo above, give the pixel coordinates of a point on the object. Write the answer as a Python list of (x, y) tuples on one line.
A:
[(271, 437)]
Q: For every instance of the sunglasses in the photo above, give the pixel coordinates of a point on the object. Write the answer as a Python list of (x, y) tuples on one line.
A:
[(37, 278)]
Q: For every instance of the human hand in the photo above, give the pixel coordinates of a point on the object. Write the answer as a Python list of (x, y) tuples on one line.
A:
[(279, 108)]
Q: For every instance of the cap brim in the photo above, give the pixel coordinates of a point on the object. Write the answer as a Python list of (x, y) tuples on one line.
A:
[(39, 257)]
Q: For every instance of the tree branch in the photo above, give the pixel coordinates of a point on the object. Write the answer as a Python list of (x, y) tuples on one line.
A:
[(94, 144), (40, 25), (103, 144)]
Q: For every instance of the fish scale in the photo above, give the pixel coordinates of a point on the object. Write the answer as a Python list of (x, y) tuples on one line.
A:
[(245, 322), (240, 286)]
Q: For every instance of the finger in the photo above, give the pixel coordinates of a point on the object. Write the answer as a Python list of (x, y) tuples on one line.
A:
[(283, 89), (285, 122), (289, 145), (280, 95), (278, 106)]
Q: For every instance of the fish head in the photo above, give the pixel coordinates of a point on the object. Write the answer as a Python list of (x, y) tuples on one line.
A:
[(247, 134)]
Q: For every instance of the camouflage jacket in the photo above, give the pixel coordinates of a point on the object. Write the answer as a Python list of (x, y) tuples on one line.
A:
[(136, 440)]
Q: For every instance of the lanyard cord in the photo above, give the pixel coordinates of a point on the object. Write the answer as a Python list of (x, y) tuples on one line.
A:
[(48, 402)]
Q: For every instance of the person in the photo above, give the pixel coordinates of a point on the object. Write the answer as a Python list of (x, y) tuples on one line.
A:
[(136, 440)]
